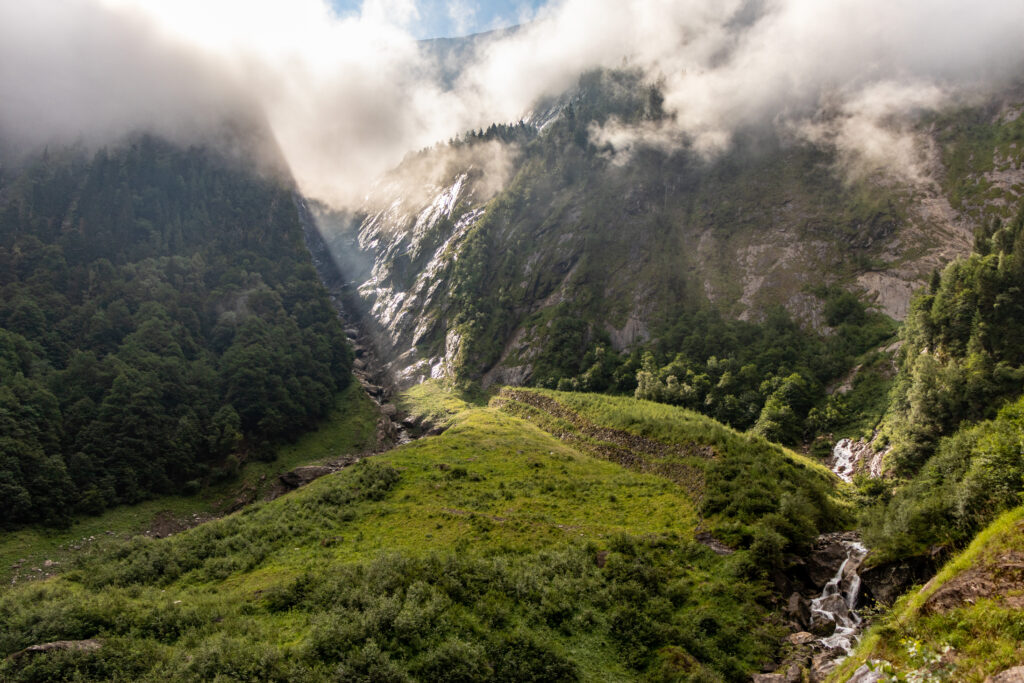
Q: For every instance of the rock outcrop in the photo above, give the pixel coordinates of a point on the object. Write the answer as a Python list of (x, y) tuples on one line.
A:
[(1014, 675), (1001, 579), (883, 583), (89, 645)]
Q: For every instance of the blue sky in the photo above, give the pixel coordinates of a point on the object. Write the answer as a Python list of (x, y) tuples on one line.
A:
[(436, 18)]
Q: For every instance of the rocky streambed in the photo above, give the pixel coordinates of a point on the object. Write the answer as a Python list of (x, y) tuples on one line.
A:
[(369, 366)]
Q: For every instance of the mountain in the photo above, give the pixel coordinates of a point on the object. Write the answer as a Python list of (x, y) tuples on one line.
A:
[(526, 254), (160, 323), (555, 403)]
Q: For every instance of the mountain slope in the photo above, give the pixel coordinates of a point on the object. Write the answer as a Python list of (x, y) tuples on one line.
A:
[(160, 322), (494, 551), (473, 249)]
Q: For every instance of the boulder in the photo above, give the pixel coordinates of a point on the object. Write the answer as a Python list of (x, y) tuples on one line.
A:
[(885, 582), (827, 555), (822, 627), (769, 678), (801, 638), (1014, 675), (301, 476), (865, 675), (389, 409), (822, 665), (798, 609), (44, 648), (833, 604)]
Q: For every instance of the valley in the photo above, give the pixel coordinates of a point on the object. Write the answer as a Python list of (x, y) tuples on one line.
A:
[(633, 342)]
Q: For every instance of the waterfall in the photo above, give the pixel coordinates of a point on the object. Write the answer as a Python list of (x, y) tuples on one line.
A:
[(844, 460), (837, 602)]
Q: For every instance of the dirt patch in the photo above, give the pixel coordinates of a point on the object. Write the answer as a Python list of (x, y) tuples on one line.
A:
[(1002, 579), (166, 524)]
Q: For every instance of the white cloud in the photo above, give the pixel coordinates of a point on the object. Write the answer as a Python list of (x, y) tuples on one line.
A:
[(462, 14), (347, 97)]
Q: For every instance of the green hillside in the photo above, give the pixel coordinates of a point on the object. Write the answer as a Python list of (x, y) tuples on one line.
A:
[(965, 624), (494, 551)]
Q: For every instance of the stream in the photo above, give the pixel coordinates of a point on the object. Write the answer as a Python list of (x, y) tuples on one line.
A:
[(368, 368), (837, 603)]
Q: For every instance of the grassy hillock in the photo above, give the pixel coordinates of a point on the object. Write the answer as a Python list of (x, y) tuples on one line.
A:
[(494, 551), (747, 490), (965, 624)]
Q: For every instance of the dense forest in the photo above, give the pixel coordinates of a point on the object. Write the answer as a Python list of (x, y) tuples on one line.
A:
[(160, 322), (953, 424)]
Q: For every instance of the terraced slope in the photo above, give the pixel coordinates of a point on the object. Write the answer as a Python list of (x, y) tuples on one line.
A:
[(734, 479)]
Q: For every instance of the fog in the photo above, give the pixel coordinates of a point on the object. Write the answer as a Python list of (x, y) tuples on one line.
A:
[(346, 98)]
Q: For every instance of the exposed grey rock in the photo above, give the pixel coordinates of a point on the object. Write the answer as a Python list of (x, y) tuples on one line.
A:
[(710, 541), (389, 410), (864, 674), (301, 476), (827, 555), (799, 609), (1014, 675), (851, 457), (886, 582), (90, 645), (822, 665)]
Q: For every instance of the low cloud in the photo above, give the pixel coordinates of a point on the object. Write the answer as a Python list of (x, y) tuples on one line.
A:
[(346, 98)]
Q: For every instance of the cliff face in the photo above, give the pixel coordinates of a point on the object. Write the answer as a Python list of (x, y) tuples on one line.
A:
[(467, 255)]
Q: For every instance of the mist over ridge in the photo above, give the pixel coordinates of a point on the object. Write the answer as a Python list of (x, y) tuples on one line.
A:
[(347, 98)]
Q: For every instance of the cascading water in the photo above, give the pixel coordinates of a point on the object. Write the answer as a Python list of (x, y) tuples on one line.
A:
[(844, 460), (837, 601)]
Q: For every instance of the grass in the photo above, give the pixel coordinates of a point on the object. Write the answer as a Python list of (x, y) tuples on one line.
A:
[(349, 429), (495, 549), (983, 638), (744, 487), (868, 398), (671, 424), (437, 402)]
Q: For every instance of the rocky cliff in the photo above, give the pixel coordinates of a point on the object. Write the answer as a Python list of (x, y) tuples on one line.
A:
[(466, 254)]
